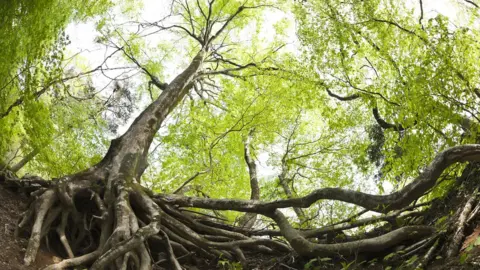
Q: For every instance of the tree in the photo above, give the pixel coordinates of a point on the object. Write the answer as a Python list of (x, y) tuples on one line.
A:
[(33, 64), (411, 84)]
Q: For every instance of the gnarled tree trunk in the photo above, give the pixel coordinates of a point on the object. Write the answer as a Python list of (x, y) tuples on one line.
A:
[(125, 215)]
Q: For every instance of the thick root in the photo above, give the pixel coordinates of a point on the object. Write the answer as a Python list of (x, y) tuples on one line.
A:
[(43, 204), (126, 228)]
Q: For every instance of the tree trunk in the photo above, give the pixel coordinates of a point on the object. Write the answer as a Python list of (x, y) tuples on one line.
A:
[(248, 220), (120, 202), (283, 181)]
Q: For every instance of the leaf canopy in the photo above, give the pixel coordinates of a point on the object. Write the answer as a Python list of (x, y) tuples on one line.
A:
[(363, 94)]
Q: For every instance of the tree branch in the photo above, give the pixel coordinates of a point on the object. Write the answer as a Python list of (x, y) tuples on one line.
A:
[(153, 78), (400, 27), (189, 180), (15, 168), (472, 3), (227, 22), (347, 98), (421, 14), (384, 124), (377, 203), (42, 91)]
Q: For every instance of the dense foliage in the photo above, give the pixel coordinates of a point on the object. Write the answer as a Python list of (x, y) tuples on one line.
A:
[(417, 71), (37, 114)]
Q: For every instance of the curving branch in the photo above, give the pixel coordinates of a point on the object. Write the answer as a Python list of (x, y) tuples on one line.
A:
[(384, 124), (348, 223), (472, 3), (378, 203), (361, 222), (347, 98), (153, 79), (231, 72)]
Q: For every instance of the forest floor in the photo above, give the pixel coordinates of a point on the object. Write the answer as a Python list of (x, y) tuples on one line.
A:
[(12, 250)]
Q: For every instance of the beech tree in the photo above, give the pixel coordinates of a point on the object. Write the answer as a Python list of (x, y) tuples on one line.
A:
[(247, 140)]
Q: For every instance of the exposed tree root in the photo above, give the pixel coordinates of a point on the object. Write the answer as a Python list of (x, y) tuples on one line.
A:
[(74, 214), (429, 255), (169, 250), (123, 226), (459, 233), (43, 204), (306, 248)]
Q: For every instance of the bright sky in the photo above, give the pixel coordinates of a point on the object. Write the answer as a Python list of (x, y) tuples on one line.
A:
[(92, 54), (82, 35)]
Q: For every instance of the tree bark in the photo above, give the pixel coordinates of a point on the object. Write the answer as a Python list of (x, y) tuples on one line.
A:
[(15, 168), (248, 220), (283, 182)]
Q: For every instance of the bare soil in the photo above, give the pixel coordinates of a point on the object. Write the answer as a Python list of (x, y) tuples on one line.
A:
[(12, 250)]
